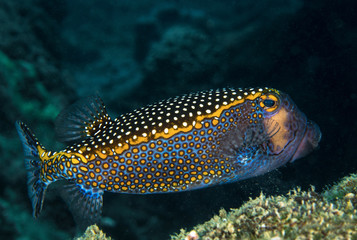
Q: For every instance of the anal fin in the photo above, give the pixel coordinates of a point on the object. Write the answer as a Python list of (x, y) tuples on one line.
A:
[(85, 204)]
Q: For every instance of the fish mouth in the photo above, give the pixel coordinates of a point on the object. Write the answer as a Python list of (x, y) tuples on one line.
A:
[(309, 142)]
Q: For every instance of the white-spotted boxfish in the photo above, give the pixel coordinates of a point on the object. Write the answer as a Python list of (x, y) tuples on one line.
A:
[(183, 143)]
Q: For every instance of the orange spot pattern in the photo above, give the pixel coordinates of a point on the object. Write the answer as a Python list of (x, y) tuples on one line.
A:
[(166, 147)]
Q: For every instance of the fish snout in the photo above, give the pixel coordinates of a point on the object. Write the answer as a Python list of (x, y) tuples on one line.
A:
[(309, 142)]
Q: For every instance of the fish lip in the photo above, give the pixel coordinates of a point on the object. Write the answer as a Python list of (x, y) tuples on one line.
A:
[(293, 158), (307, 143)]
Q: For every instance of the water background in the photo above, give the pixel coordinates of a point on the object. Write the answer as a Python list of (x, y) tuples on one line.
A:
[(133, 53)]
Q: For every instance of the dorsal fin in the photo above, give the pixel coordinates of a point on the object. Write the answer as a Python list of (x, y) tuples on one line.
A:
[(77, 121)]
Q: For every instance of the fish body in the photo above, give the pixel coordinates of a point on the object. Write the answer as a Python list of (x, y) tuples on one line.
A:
[(184, 143)]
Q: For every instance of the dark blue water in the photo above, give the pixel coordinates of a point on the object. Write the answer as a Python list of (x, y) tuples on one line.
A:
[(137, 52)]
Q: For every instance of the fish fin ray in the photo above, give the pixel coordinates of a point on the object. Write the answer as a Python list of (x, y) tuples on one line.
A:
[(79, 120), (84, 203), (36, 187)]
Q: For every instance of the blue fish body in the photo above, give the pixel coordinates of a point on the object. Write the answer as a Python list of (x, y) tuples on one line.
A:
[(184, 143)]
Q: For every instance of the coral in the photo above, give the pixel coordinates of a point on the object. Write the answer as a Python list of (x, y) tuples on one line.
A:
[(298, 215), (176, 51), (93, 233), (184, 56), (347, 187)]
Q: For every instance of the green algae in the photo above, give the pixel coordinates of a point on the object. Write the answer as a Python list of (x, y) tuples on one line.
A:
[(298, 215)]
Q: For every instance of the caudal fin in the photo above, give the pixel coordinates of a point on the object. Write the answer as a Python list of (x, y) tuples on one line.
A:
[(33, 163)]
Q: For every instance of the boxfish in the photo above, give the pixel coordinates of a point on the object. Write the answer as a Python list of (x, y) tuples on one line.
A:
[(183, 143)]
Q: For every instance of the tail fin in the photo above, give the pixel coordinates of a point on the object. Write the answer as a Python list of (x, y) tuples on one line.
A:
[(36, 186)]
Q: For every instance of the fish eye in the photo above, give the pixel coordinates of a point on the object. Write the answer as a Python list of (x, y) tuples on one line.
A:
[(269, 102)]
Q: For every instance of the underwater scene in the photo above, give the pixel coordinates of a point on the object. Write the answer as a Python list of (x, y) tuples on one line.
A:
[(179, 120)]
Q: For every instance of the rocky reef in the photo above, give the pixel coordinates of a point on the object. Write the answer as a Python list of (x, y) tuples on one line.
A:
[(297, 215)]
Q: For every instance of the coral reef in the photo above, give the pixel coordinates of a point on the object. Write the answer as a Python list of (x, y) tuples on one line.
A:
[(184, 54), (32, 88), (298, 215), (93, 233)]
